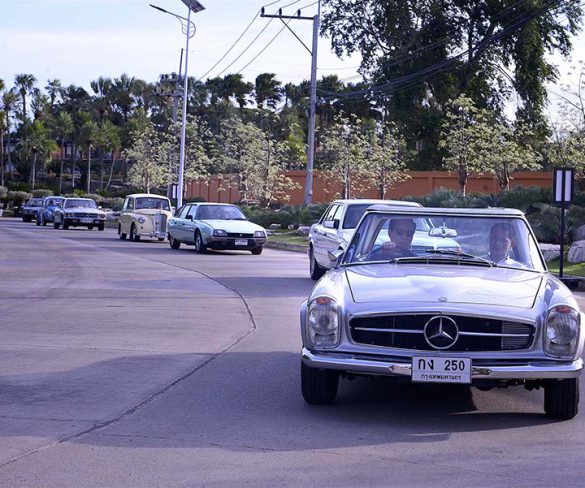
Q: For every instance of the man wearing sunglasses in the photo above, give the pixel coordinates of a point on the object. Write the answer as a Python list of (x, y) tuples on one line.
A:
[(400, 231)]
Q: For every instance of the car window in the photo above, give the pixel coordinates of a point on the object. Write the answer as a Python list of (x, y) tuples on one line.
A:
[(74, 202), (35, 202), (219, 212), (322, 219), (192, 211), (182, 213), (131, 204), (353, 215), (332, 211), (125, 206), (152, 203)]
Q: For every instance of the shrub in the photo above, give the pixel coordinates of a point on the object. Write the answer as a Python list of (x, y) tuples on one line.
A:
[(115, 203), (3, 193), (18, 197), (94, 196)]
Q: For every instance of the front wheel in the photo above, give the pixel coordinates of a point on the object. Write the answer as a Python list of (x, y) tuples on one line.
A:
[(199, 245), (319, 386), (38, 221), (561, 398), (315, 270), (133, 236), (174, 243), (56, 225), (121, 235), (257, 250), (101, 226), (65, 225)]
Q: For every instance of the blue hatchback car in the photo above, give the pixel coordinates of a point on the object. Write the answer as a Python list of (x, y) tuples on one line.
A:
[(45, 214)]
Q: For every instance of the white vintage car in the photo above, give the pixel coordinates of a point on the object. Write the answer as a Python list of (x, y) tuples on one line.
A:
[(488, 314), (144, 215)]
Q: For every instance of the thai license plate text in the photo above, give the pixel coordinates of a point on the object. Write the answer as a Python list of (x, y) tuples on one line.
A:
[(430, 369)]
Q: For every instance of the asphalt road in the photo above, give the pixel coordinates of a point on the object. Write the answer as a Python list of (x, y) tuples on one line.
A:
[(129, 364)]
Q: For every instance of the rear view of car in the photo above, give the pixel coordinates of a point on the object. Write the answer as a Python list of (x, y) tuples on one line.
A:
[(31, 208), (79, 212)]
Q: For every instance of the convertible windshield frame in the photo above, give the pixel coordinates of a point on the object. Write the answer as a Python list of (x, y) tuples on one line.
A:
[(458, 237)]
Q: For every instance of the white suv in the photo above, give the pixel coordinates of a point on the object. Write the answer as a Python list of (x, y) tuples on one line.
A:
[(335, 228)]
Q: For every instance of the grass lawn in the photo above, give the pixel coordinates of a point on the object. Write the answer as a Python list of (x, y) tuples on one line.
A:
[(288, 237), (573, 269)]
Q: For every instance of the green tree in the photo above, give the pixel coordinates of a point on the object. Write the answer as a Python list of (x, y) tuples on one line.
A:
[(41, 145), (9, 106), (53, 88), (267, 90), (89, 134), (61, 128), (24, 84), (345, 150)]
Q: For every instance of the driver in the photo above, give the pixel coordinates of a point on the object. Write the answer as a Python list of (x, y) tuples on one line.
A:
[(400, 231)]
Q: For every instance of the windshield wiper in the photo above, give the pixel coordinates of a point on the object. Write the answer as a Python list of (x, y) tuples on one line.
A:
[(460, 254)]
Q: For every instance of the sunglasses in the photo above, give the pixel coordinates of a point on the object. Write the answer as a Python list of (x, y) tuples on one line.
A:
[(402, 232)]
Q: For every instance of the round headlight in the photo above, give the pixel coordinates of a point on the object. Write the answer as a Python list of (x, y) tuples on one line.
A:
[(259, 233), (219, 233), (323, 322), (562, 328), (141, 220)]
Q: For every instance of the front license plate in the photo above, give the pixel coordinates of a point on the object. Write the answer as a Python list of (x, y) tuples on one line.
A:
[(430, 369), (241, 242), (87, 221)]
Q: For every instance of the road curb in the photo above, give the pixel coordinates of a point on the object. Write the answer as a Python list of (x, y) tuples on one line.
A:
[(286, 247)]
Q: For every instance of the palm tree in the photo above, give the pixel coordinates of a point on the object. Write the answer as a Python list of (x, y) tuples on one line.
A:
[(25, 84), (74, 99), (267, 90), (2, 130), (53, 88), (109, 141), (40, 144), (9, 106), (102, 87), (122, 95), (62, 128), (40, 104), (89, 134)]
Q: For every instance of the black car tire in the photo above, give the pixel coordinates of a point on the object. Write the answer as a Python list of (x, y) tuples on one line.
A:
[(65, 225), (120, 233), (133, 236), (101, 226), (90, 227), (199, 246), (319, 386), (160, 239), (38, 221), (44, 222), (257, 250), (174, 243), (561, 398), (26, 219), (315, 270), (56, 225)]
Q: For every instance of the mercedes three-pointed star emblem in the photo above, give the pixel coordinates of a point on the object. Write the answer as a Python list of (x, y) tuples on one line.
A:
[(441, 332)]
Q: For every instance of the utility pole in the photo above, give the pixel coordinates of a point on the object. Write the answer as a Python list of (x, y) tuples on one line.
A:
[(169, 85), (313, 94)]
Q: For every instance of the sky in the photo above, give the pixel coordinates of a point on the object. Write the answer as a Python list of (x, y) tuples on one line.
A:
[(76, 41)]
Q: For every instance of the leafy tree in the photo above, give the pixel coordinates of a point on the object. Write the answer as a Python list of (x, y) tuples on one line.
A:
[(268, 90), (62, 128), (9, 106), (149, 152), (88, 135), (24, 84), (41, 145), (345, 150), (422, 54), (53, 88)]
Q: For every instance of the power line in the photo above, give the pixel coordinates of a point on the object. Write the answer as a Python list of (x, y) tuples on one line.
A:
[(265, 47), (239, 38)]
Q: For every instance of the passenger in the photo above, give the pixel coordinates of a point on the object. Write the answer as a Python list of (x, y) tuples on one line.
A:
[(502, 242)]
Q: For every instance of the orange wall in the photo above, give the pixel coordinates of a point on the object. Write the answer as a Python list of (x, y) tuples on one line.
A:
[(216, 187)]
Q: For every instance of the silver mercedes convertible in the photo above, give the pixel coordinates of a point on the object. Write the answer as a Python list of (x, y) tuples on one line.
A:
[(486, 313)]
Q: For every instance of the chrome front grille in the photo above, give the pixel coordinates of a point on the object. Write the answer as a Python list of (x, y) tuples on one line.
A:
[(160, 223), (475, 333), (239, 235)]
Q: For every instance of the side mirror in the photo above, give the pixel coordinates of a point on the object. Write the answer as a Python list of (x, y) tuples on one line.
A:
[(189, 217), (335, 256), (331, 224), (100, 207)]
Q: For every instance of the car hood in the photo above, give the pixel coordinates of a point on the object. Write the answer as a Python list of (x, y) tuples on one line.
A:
[(237, 226), (398, 283)]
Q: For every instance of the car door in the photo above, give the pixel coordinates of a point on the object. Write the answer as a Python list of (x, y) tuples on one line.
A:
[(191, 224), (124, 217), (177, 224), (332, 236), (322, 235)]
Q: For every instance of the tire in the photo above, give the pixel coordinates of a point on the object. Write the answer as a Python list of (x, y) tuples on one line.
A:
[(44, 222), (26, 219), (160, 239), (90, 227), (121, 235), (132, 236), (257, 251), (101, 227), (199, 246), (56, 225), (38, 221), (561, 398), (319, 386), (174, 243), (65, 225), (315, 270)]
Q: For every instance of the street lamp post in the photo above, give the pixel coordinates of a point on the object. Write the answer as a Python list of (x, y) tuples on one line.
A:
[(186, 24)]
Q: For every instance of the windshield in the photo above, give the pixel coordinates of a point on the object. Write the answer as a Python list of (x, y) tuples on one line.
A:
[(152, 203), (219, 212), (486, 240), (35, 202), (78, 202)]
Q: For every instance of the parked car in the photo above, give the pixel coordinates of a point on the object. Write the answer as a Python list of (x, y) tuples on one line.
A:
[(46, 213), (30, 209), (79, 212), (337, 224), (144, 215), (215, 226), (488, 315)]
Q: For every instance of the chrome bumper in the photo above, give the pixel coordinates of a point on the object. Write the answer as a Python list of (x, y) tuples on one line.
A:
[(535, 370), (158, 235)]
